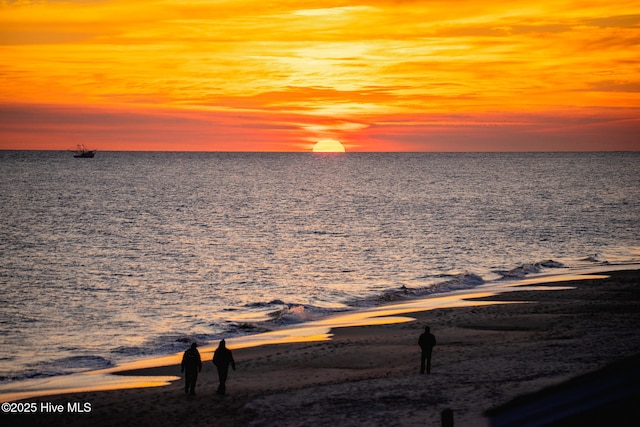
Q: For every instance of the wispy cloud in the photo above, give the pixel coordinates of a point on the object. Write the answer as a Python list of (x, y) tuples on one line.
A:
[(325, 64)]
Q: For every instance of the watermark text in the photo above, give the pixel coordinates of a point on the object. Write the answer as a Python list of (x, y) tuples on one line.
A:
[(46, 408)]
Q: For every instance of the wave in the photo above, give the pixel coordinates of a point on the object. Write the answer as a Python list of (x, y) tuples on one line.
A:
[(522, 270), (61, 366), (246, 328), (79, 362), (594, 258), (298, 313), (163, 344), (264, 304), (285, 313), (454, 282)]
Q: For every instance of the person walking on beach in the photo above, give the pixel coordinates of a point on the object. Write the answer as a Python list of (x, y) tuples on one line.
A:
[(222, 358), (426, 342), (191, 365)]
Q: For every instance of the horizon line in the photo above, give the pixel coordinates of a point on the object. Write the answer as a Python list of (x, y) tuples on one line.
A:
[(322, 153)]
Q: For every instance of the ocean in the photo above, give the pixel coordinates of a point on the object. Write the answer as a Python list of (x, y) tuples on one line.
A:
[(131, 255)]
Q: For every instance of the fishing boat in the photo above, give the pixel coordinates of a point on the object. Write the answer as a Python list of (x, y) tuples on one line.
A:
[(82, 152)]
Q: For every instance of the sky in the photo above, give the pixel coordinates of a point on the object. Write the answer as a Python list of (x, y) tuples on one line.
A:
[(376, 75)]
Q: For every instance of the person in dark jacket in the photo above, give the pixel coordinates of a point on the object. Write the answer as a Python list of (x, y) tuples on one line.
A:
[(191, 365), (426, 342), (222, 358)]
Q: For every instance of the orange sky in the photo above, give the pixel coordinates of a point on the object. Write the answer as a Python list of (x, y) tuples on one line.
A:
[(377, 75)]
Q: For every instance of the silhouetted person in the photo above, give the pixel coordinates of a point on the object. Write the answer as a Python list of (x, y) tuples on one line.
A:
[(191, 365), (446, 417), (426, 342), (222, 358)]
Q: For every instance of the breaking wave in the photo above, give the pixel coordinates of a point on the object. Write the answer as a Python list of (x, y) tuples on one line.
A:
[(62, 366), (521, 271)]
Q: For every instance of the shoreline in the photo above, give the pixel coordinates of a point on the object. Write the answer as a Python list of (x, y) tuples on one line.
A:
[(367, 375), (125, 375)]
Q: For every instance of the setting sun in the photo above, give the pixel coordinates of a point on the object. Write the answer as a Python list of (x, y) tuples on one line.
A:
[(328, 146)]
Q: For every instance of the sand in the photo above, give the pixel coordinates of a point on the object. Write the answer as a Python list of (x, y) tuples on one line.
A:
[(368, 376)]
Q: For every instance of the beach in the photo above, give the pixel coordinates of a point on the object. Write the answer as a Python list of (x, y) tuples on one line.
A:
[(369, 375)]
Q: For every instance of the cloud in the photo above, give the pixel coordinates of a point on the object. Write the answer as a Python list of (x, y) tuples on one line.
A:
[(618, 21), (314, 67), (63, 126)]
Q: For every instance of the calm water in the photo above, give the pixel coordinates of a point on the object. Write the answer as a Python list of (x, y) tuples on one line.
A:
[(134, 254)]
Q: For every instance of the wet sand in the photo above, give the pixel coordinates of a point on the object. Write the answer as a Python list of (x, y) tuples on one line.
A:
[(369, 375)]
